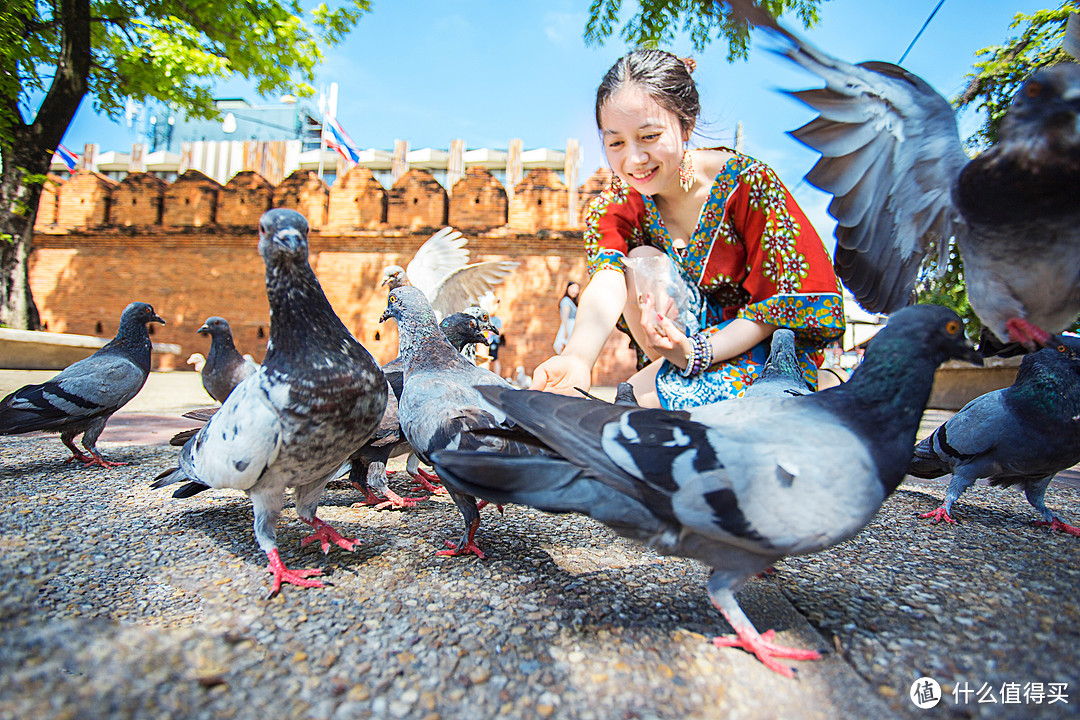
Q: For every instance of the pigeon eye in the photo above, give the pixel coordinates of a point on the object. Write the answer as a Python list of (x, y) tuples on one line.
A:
[(952, 327), (1033, 89), (1062, 348)]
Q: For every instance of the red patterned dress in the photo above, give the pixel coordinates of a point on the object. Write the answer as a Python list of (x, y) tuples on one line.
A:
[(753, 255)]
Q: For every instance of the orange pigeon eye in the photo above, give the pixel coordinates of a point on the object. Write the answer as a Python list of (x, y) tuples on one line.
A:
[(1033, 89), (952, 327), (1062, 348)]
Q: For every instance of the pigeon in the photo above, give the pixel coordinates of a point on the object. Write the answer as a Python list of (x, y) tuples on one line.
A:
[(1021, 435), (225, 367), (893, 160), (368, 464), (198, 361), (317, 397), (782, 374), (439, 400), (736, 484), (83, 397), (441, 269)]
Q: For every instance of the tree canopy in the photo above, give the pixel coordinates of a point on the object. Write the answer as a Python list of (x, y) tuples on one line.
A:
[(657, 21)]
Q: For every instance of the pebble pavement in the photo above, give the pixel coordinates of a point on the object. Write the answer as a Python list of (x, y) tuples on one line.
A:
[(117, 601)]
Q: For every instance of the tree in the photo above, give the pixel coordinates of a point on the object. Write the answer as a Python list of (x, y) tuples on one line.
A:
[(657, 21), (54, 53)]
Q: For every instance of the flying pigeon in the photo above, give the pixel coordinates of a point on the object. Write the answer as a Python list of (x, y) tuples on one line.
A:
[(892, 158), (441, 269), (1021, 435), (225, 367), (439, 399), (317, 397), (83, 397), (782, 374), (368, 464), (737, 484)]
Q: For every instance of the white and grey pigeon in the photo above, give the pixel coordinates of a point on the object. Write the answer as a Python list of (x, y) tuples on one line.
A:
[(782, 374), (1021, 435), (317, 397), (83, 397), (225, 367), (737, 484), (893, 159), (368, 464), (441, 269), (440, 402)]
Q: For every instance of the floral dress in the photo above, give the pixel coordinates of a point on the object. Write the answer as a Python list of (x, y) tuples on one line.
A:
[(753, 255)]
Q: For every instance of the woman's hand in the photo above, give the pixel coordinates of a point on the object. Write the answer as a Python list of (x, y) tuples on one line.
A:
[(562, 374), (661, 334)]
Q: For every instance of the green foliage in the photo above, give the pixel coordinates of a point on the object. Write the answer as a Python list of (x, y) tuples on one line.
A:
[(656, 22), (170, 50), (945, 286), (1003, 68)]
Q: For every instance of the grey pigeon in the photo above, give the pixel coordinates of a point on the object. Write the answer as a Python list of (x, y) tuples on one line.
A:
[(782, 374), (440, 402), (738, 484), (368, 464), (441, 269), (1021, 435), (892, 157), (317, 397), (83, 397), (225, 367)]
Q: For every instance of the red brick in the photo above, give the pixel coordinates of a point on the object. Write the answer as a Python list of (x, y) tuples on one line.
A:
[(305, 192), (417, 201), (478, 202), (357, 201), (138, 200), (191, 201), (244, 199)]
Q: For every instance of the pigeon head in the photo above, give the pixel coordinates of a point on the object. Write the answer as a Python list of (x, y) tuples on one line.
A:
[(462, 329), (936, 330), (394, 276), (283, 237), (1043, 116), (407, 303), (783, 360), (482, 317), (215, 326), (139, 313)]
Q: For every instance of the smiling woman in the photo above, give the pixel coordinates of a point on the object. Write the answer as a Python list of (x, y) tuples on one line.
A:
[(703, 253)]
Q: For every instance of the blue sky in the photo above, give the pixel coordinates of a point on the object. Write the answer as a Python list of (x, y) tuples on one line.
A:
[(485, 71)]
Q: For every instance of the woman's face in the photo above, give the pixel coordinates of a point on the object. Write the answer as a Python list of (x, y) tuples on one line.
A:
[(643, 142), (572, 290)]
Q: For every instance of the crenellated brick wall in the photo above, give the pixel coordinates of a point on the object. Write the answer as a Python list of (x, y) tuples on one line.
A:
[(105, 247)]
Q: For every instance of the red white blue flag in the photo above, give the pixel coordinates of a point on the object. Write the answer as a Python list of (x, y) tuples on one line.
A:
[(67, 157), (338, 140)]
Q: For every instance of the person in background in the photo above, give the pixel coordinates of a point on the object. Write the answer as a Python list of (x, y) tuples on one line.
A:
[(702, 253), (495, 340), (567, 313)]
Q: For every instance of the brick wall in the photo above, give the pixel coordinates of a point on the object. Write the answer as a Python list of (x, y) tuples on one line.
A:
[(83, 201), (244, 199), (540, 202), (306, 193), (417, 200), (138, 200), (190, 201), (357, 201), (478, 201)]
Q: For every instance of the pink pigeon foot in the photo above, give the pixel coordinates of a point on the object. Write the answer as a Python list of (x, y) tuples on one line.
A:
[(429, 482), (469, 546), (283, 574), (938, 515), (481, 504), (1027, 334), (392, 500), (326, 535), (766, 650), (1059, 526)]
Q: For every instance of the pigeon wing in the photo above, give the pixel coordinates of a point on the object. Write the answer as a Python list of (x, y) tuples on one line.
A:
[(465, 285), (442, 253)]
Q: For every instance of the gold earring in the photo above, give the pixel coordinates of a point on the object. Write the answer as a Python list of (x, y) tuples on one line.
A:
[(686, 171)]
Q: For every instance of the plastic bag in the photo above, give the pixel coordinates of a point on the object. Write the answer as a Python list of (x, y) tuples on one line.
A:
[(675, 295)]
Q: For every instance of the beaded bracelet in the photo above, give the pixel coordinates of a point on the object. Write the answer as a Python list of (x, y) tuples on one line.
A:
[(691, 360), (700, 357)]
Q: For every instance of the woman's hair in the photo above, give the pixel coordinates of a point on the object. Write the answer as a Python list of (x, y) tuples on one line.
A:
[(566, 293), (665, 77)]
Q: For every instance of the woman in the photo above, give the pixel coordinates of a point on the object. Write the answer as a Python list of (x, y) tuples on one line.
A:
[(567, 314), (744, 258)]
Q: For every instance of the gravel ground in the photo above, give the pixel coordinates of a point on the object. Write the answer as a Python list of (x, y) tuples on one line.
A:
[(118, 601)]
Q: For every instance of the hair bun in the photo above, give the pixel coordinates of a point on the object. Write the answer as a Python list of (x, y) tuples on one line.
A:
[(690, 64)]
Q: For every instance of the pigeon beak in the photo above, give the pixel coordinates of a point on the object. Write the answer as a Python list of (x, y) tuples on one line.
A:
[(385, 281), (158, 319), (970, 354), (204, 330), (385, 316)]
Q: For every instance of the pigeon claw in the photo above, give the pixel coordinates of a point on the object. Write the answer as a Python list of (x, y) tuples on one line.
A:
[(767, 651), (326, 535), (939, 515), (1060, 526), (393, 500), (1028, 334), (283, 574), (464, 548), (429, 482), (481, 504)]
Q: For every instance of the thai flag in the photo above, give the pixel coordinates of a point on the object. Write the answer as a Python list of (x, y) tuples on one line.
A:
[(67, 157), (339, 140)]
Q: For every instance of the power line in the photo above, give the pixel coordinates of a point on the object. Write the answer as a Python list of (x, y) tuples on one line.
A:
[(919, 34)]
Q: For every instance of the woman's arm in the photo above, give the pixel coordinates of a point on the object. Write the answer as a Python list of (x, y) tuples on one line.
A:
[(599, 308), (732, 340)]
